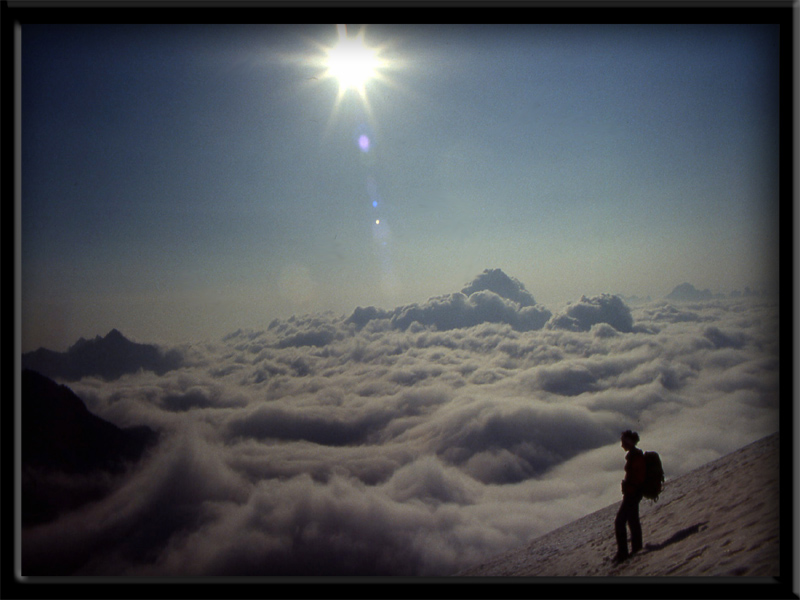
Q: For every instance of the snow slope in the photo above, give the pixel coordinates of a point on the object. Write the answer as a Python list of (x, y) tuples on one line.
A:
[(721, 519)]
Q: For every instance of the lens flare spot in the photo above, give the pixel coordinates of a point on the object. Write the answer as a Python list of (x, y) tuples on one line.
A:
[(377, 221), (363, 143)]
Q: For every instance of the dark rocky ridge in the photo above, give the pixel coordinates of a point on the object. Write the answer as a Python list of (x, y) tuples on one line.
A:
[(61, 436), (109, 357)]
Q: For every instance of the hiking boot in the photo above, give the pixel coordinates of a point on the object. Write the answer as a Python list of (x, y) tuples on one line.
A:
[(620, 557)]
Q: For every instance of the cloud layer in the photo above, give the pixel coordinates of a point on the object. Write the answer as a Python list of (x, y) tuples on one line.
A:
[(415, 441)]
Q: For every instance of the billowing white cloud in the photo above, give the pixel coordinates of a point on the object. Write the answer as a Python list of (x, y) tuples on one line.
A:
[(582, 315), (414, 441), (494, 280), (492, 297)]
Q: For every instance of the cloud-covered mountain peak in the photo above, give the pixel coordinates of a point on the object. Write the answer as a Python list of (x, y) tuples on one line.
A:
[(492, 297), (687, 292), (495, 280)]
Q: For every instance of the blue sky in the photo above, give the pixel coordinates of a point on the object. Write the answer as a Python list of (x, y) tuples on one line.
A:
[(180, 182)]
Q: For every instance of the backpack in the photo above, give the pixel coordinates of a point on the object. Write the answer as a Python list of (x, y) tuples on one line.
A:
[(653, 477)]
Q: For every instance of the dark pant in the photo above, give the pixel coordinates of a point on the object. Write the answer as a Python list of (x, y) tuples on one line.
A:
[(628, 514)]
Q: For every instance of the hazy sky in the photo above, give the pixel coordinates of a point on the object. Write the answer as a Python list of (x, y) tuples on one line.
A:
[(180, 182)]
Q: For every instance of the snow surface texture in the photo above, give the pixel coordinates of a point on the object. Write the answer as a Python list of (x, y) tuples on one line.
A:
[(718, 520)]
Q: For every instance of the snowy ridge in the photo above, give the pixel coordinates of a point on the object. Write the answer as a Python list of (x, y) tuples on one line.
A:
[(719, 520)]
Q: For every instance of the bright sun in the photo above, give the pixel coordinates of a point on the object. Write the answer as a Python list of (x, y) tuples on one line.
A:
[(351, 62)]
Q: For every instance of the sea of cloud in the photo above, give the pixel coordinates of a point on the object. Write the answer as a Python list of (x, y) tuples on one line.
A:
[(415, 441)]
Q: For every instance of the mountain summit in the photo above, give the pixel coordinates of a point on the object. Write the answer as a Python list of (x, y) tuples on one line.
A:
[(686, 292), (109, 357)]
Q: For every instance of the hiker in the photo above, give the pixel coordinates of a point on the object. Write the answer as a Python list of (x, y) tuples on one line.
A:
[(628, 513)]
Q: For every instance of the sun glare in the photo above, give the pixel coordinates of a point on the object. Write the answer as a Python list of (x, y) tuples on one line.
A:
[(355, 68), (351, 62)]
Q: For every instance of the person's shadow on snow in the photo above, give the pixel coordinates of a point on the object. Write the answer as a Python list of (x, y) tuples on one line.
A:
[(682, 534)]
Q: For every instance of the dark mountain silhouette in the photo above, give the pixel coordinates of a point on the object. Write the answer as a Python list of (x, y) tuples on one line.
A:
[(748, 293), (686, 292), (60, 435), (109, 357)]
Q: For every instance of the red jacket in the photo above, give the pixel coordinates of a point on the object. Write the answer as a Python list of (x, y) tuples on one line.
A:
[(634, 472)]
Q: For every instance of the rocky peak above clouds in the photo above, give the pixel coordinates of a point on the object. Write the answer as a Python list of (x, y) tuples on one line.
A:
[(108, 357)]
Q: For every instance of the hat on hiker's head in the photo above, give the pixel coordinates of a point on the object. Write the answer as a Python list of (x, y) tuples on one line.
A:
[(630, 436)]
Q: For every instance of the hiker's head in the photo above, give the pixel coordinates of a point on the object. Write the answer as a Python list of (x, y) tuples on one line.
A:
[(629, 439)]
